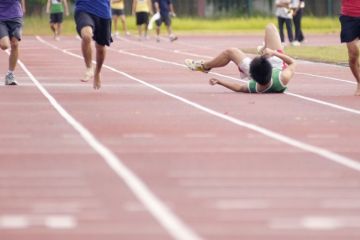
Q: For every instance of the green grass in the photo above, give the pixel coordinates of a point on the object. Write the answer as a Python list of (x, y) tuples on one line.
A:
[(311, 25), (330, 54), (240, 25), (40, 25)]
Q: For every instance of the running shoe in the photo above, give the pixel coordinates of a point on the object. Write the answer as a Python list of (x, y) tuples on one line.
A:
[(10, 79), (173, 38), (196, 65)]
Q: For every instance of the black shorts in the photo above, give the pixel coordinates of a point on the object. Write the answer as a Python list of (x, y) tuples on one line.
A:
[(350, 28), (56, 17), (117, 12), (101, 27), (142, 18), (11, 28), (164, 19)]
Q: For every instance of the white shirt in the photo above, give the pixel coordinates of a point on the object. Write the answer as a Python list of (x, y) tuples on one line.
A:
[(283, 12)]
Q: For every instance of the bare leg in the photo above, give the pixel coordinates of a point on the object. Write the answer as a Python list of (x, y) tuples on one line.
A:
[(5, 43), (123, 22), (146, 31), (232, 54), (14, 53), (169, 30), (139, 31), (100, 57), (157, 33), (59, 29), (86, 36), (353, 51), (272, 37), (53, 29), (115, 22)]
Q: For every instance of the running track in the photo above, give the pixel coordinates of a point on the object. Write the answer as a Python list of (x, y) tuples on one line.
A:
[(159, 154)]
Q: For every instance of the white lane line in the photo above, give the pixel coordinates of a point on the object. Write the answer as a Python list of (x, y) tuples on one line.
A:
[(175, 227), (342, 160), (209, 57), (321, 102), (315, 223), (325, 77), (14, 222), (60, 222), (241, 204)]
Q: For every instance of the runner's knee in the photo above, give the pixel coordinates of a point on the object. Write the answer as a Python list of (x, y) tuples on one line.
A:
[(4, 46), (271, 27), (4, 43), (86, 34)]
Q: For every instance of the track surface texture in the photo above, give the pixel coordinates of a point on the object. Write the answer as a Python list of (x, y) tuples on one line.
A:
[(157, 153)]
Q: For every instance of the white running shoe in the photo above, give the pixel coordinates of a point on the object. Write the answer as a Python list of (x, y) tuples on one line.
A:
[(196, 65), (10, 79)]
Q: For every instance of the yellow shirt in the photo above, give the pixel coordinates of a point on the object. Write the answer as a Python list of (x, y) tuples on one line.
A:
[(118, 5), (142, 6)]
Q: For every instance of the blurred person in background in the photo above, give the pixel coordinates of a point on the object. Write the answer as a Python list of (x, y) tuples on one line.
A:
[(298, 8), (118, 11), (166, 10), (284, 15), (142, 10), (56, 9)]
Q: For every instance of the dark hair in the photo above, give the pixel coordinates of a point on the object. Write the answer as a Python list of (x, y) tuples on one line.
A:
[(261, 70)]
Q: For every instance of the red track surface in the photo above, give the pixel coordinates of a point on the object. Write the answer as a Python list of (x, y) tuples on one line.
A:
[(206, 174)]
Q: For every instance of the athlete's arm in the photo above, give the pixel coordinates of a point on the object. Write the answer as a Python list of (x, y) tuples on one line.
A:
[(23, 6), (66, 7), (289, 71), (236, 87), (157, 7), (47, 6)]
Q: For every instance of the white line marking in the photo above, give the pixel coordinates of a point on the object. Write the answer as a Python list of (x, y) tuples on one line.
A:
[(342, 160), (175, 227), (209, 57), (332, 105), (13, 222), (316, 223), (236, 204), (60, 222), (329, 78)]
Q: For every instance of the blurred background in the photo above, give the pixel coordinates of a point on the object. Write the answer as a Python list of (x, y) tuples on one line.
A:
[(220, 8)]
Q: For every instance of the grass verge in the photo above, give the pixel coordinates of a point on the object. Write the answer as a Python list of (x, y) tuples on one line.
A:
[(40, 26)]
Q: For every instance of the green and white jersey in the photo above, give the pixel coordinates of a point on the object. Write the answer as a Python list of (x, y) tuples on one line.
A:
[(56, 6), (276, 85)]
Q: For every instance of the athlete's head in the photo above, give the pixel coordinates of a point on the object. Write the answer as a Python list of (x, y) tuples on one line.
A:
[(261, 70)]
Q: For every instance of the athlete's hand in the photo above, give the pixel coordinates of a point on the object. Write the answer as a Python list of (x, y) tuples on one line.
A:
[(267, 52), (213, 81)]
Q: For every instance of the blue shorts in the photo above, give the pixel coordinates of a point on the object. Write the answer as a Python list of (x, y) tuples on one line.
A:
[(164, 19), (350, 28), (11, 28)]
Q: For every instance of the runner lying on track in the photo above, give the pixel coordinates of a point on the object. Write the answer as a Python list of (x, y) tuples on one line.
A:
[(268, 73)]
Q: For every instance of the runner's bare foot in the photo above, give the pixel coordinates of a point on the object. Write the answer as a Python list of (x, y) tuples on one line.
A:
[(357, 93), (97, 81), (89, 74)]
